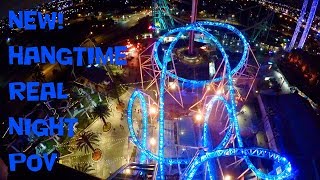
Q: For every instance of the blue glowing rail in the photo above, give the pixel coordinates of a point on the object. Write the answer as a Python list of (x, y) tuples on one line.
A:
[(245, 152), (197, 27)]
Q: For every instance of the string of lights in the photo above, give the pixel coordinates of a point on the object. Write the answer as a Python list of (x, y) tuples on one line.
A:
[(111, 162)]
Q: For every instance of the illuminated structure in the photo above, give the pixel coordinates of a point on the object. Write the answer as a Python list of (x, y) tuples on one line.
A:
[(205, 152), (307, 27), (309, 23), (299, 23), (161, 15)]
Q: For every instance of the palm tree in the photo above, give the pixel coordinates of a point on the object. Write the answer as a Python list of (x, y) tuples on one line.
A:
[(85, 168), (101, 110), (116, 89), (86, 141)]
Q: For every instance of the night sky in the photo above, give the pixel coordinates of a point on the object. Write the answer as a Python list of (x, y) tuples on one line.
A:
[(6, 5)]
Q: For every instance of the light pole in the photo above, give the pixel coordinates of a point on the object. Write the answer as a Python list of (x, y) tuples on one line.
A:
[(227, 177)]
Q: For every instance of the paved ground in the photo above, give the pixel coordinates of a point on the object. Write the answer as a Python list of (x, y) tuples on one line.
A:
[(114, 144), (275, 73)]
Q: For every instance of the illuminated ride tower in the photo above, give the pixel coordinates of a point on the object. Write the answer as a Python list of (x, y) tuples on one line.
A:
[(309, 23), (299, 24), (162, 19), (193, 20)]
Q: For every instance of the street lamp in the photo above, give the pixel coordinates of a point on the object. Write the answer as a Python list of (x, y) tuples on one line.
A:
[(219, 92), (128, 171), (152, 141), (153, 110), (172, 85), (227, 177), (198, 117)]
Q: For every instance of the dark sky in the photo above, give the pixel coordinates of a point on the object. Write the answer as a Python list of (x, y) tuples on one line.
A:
[(6, 5)]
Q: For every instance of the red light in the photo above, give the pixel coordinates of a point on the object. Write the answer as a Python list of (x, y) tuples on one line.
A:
[(150, 27)]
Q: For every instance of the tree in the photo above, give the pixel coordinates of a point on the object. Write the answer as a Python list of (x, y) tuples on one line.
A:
[(116, 88), (85, 168), (101, 110), (75, 95), (114, 83), (87, 140), (38, 74), (55, 71)]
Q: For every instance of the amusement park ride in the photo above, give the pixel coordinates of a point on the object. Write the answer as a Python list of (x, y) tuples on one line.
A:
[(161, 15), (307, 26), (214, 100)]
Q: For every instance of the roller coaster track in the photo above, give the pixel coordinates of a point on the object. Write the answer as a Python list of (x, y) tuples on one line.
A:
[(233, 129)]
